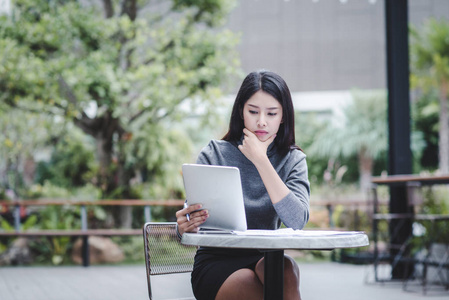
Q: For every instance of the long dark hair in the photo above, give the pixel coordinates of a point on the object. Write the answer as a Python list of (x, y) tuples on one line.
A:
[(274, 85)]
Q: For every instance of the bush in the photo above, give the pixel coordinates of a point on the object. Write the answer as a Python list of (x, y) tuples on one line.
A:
[(72, 163)]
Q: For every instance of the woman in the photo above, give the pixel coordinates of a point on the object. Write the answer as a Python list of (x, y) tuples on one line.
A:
[(261, 143)]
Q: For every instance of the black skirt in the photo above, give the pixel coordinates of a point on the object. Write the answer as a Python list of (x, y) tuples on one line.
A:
[(214, 265)]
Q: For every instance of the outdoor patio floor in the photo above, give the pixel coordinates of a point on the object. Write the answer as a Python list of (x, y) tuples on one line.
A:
[(321, 280)]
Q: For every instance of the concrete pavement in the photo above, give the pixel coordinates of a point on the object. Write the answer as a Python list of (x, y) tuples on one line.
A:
[(320, 280)]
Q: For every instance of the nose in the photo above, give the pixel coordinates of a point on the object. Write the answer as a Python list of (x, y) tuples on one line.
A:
[(261, 122)]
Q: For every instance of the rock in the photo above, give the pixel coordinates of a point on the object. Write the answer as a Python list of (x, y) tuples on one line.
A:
[(17, 254), (101, 250)]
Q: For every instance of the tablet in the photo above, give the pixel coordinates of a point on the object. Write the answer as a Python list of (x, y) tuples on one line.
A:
[(219, 190)]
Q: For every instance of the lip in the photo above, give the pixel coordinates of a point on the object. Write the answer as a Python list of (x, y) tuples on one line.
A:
[(260, 132)]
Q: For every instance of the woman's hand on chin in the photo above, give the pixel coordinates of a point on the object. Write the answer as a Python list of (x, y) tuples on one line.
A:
[(253, 148)]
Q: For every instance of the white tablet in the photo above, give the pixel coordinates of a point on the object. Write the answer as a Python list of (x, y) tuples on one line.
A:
[(219, 190)]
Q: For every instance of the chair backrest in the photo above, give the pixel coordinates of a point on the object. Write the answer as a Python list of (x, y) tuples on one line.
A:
[(164, 254)]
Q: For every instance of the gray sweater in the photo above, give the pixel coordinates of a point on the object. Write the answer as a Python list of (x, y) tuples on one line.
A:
[(293, 210)]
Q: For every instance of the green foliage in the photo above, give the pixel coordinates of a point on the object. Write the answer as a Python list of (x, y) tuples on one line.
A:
[(425, 120), (30, 222), (52, 249), (153, 147), (5, 225), (307, 126), (363, 127), (72, 162), (24, 134), (351, 219), (47, 190), (436, 202), (55, 249), (212, 12), (429, 53), (429, 57), (59, 217), (350, 144), (132, 247), (119, 78), (343, 169)]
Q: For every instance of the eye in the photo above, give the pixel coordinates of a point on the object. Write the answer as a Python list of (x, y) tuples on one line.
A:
[(272, 114), (253, 112)]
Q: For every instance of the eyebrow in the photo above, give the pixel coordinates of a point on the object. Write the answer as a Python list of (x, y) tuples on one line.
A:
[(269, 108)]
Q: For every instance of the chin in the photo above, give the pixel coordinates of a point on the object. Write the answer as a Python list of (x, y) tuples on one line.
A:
[(264, 139)]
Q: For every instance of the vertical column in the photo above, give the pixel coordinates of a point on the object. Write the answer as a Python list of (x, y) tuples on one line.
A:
[(400, 156), (85, 245), (147, 213), (17, 218)]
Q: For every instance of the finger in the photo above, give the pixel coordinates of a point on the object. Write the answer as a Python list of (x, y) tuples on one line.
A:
[(203, 214), (188, 210), (199, 218), (194, 223), (181, 220), (193, 207), (191, 228), (248, 132), (180, 213)]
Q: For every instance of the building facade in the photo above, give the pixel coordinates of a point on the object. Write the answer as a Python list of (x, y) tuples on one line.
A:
[(321, 45)]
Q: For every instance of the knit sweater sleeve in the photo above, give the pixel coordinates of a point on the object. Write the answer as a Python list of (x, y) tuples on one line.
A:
[(293, 210)]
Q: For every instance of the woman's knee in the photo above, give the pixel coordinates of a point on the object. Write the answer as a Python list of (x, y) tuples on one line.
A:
[(291, 271), (243, 283)]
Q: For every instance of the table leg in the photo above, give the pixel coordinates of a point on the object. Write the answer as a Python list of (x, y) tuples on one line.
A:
[(273, 288), (85, 251)]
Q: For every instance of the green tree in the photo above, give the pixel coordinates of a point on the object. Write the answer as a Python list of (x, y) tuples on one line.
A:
[(429, 53), (362, 131), (72, 162), (23, 135), (425, 115), (122, 71)]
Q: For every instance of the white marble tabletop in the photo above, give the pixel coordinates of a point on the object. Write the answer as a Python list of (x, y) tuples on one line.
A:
[(311, 239)]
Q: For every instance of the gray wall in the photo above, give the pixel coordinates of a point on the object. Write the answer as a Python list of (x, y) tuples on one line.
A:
[(321, 45)]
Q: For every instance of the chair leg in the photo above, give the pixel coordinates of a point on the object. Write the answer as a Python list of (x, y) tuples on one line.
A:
[(424, 279), (406, 279)]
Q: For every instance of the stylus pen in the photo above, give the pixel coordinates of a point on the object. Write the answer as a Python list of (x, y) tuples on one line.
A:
[(185, 206)]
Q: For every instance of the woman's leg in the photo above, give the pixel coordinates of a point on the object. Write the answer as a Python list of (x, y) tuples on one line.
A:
[(242, 284), (291, 277)]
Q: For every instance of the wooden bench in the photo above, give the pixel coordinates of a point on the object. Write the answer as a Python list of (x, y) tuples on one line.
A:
[(84, 232)]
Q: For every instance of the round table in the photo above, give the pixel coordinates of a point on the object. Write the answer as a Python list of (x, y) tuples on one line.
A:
[(274, 245)]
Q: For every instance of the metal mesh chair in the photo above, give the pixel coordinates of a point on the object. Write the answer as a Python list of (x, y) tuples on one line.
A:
[(164, 254)]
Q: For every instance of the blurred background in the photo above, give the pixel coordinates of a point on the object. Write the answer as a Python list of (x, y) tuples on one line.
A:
[(104, 100)]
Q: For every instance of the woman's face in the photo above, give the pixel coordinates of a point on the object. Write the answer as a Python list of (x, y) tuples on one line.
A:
[(262, 115)]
